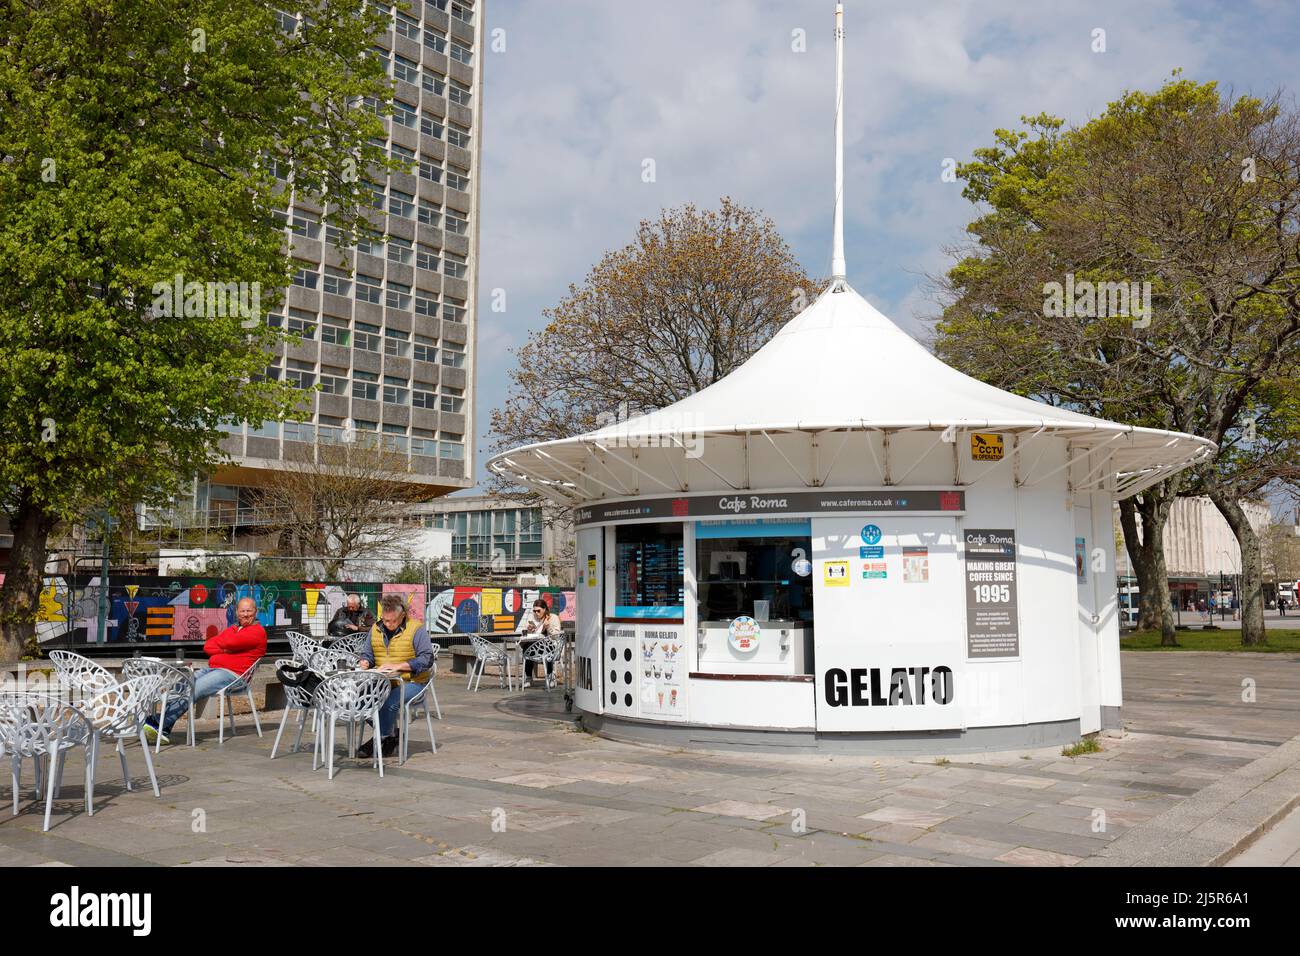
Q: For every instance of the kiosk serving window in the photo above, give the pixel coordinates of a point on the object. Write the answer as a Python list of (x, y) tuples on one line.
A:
[(649, 568), (755, 597), (754, 568)]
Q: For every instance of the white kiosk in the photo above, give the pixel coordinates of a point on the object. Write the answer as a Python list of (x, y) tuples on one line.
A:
[(847, 544)]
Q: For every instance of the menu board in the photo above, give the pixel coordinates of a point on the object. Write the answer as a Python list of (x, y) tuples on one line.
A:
[(650, 574), (992, 619), (662, 675)]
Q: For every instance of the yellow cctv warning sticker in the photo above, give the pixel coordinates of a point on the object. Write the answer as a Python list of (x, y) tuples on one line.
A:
[(985, 447)]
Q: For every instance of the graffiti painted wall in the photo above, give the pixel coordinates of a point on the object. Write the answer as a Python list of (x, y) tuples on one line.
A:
[(149, 608)]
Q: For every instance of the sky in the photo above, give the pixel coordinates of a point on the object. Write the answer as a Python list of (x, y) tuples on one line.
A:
[(735, 98)]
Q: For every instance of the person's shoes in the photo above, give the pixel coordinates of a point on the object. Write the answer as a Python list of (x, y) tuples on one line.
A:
[(390, 745), (153, 734), (367, 749)]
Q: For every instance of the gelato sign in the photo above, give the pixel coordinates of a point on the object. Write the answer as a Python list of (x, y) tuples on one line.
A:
[(743, 634)]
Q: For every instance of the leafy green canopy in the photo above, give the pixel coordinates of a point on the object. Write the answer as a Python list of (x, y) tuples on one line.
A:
[(140, 141)]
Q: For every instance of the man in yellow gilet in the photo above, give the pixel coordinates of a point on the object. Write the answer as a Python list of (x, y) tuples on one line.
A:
[(398, 644)]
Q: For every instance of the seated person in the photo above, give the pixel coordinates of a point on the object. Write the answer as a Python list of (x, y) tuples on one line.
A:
[(350, 618), (541, 623), (230, 653), (398, 645)]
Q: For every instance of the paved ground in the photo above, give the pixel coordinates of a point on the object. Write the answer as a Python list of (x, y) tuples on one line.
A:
[(1279, 847), (513, 783)]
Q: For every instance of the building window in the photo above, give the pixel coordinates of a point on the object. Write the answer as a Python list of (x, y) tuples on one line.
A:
[(426, 349), (306, 224), (742, 562), (426, 257), (306, 278), (405, 114), (300, 374), (337, 281), (463, 13), (404, 156), (422, 399), (376, 191), (453, 265), (432, 83), (430, 169), (456, 225), (408, 27), (397, 343), (424, 446), (399, 295), (426, 306), (458, 136), (367, 337), (459, 94), (452, 399), (434, 42), (430, 126), (365, 385), (429, 214), (453, 355), (300, 431), (401, 204), (302, 323), (382, 56), (458, 179), (265, 430), (334, 331), (367, 288), (395, 391), (333, 381), (408, 71), (462, 54), (452, 446), (453, 310), (399, 250)]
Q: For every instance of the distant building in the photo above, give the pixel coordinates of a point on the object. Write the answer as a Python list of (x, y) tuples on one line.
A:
[(1201, 552), (501, 536)]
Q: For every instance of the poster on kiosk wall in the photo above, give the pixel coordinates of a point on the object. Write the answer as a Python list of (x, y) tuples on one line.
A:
[(888, 635)]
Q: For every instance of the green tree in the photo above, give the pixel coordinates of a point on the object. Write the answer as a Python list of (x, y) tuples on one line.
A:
[(1196, 195), (141, 142)]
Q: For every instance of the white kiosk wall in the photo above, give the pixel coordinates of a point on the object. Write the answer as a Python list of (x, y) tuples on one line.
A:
[(589, 617)]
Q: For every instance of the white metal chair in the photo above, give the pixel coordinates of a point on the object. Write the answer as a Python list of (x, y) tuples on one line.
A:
[(485, 653), (43, 727), (244, 683), (303, 646), (327, 660), (545, 651), (301, 700), (80, 672), (352, 643), (353, 697), (410, 708), (179, 682), (118, 713)]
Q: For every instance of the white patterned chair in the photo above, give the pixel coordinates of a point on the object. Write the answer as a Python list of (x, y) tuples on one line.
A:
[(421, 701), (485, 653), (545, 651), (244, 684), (303, 646), (45, 728), (118, 713), (353, 697), (179, 682), (80, 672), (301, 700), (352, 643)]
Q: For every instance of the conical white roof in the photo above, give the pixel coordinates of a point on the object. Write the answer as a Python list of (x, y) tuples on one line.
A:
[(842, 365)]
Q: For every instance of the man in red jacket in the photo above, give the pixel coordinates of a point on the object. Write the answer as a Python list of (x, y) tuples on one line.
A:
[(230, 654)]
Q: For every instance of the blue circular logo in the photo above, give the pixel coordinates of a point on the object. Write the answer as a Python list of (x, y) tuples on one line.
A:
[(871, 534)]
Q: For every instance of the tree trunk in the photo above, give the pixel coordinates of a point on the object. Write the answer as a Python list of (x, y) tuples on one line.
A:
[(20, 595), (1143, 571), (1154, 506), (1252, 565)]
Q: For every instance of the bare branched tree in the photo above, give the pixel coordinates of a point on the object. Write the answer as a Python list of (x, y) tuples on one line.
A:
[(343, 501)]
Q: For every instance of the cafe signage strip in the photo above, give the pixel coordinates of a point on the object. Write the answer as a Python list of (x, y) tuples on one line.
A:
[(992, 619), (774, 503)]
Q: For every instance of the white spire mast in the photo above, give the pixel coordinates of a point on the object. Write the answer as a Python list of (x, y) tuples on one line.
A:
[(838, 269)]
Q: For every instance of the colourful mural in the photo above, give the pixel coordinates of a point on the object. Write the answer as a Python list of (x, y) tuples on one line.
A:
[(188, 609)]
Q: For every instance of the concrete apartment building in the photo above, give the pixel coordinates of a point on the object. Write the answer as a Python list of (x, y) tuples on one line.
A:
[(391, 340), (502, 537)]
